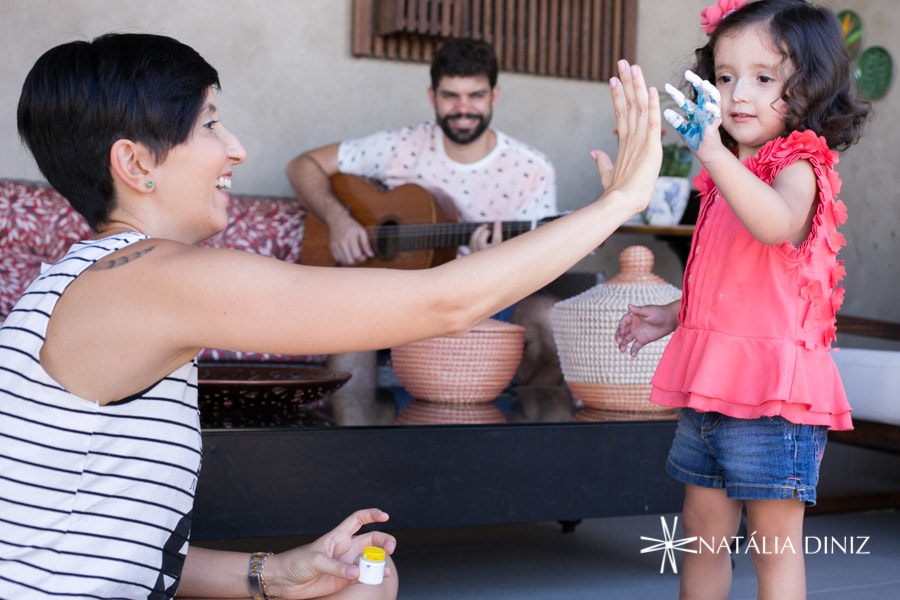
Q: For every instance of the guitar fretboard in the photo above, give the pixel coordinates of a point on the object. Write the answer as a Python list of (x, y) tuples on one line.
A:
[(398, 237)]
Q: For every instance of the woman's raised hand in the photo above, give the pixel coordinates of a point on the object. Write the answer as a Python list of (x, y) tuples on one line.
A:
[(638, 120)]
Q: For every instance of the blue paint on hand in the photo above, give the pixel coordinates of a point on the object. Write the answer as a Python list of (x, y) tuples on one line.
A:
[(700, 116)]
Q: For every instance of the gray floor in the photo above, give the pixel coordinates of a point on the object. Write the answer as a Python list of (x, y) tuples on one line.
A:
[(851, 555), (602, 559)]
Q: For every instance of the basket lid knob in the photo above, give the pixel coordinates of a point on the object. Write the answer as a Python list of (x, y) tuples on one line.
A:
[(636, 267)]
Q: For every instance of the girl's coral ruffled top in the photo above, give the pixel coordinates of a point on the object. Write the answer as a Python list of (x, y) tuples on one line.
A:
[(757, 321)]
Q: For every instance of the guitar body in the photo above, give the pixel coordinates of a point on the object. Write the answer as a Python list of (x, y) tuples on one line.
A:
[(380, 211)]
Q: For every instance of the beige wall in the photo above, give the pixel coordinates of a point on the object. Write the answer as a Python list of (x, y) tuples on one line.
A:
[(289, 84)]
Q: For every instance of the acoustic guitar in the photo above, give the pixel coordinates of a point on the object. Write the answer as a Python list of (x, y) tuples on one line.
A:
[(407, 227)]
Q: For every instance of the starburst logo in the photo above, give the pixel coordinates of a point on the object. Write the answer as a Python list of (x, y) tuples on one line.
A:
[(668, 545)]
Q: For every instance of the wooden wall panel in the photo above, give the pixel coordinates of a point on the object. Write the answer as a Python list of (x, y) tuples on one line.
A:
[(577, 39)]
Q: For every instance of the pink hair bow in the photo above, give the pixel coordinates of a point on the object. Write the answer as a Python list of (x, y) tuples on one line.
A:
[(710, 17)]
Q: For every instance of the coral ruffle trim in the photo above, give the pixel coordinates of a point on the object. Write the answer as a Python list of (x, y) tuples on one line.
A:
[(776, 378)]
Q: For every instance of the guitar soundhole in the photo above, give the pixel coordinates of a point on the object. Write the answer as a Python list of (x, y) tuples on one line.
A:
[(387, 239)]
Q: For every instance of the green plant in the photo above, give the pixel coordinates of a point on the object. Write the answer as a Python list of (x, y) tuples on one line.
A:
[(677, 161)]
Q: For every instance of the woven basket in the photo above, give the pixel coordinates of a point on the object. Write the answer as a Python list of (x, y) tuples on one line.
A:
[(584, 326), (475, 367), (595, 415), (263, 394)]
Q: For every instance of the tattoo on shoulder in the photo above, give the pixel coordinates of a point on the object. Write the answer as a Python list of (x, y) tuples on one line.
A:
[(118, 261)]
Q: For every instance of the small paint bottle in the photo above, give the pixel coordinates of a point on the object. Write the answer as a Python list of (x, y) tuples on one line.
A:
[(371, 565)]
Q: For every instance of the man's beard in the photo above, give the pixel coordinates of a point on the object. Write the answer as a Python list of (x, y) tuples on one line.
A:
[(464, 136)]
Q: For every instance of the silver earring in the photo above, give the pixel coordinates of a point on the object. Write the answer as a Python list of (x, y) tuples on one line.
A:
[(149, 184)]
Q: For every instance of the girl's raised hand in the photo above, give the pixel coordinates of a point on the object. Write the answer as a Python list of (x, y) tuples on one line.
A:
[(702, 116)]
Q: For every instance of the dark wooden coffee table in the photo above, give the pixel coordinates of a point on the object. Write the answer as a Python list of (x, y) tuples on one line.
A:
[(304, 480)]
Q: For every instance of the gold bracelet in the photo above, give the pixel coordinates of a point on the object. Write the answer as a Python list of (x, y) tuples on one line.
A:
[(255, 576), (262, 578)]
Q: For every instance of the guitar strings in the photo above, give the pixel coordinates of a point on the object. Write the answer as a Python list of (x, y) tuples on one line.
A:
[(426, 234)]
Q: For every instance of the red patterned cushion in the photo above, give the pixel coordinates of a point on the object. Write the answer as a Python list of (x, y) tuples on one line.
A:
[(215, 355), (38, 225), (263, 225)]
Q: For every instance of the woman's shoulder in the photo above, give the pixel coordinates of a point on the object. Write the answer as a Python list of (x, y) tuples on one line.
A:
[(133, 256)]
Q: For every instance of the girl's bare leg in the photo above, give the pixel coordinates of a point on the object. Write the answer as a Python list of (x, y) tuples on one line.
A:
[(711, 516), (777, 526)]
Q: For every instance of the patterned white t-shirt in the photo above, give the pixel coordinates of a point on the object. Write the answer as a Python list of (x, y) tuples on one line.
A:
[(513, 182)]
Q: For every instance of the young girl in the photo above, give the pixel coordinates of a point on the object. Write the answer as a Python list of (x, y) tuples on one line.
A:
[(749, 363)]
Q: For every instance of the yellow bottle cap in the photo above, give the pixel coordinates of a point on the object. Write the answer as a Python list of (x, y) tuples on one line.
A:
[(373, 553)]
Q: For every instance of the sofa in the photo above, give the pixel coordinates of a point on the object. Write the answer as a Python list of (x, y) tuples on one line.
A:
[(37, 225)]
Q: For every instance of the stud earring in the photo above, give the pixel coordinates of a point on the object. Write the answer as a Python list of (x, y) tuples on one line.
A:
[(149, 184)]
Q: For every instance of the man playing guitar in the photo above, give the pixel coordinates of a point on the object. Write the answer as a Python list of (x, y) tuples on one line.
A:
[(474, 173)]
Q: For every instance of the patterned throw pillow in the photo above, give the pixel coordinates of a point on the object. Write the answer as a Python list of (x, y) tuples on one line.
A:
[(37, 225)]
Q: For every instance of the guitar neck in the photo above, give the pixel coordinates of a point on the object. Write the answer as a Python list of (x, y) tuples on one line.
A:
[(408, 228), (419, 236)]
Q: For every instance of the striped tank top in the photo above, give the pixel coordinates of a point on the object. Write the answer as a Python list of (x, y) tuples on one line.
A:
[(95, 501)]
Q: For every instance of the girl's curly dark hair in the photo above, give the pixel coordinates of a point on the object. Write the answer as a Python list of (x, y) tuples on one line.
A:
[(820, 93)]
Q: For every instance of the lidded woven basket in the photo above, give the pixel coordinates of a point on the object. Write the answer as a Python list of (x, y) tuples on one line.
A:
[(475, 367), (584, 326)]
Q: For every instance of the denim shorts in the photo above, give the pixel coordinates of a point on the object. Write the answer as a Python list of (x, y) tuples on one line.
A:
[(752, 459)]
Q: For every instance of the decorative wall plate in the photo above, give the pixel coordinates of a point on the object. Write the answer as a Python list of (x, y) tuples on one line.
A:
[(852, 30), (874, 71)]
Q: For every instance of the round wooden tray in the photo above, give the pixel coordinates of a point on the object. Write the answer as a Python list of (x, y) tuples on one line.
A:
[(258, 395)]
